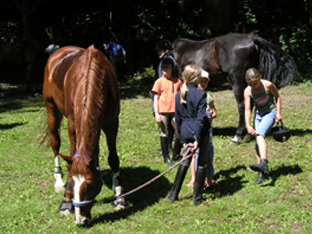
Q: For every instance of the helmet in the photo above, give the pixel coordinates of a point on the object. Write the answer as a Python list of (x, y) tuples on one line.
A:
[(282, 134), (163, 45), (167, 62)]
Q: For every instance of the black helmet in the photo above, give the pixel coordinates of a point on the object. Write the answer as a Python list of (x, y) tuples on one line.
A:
[(282, 134), (167, 62), (163, 45)]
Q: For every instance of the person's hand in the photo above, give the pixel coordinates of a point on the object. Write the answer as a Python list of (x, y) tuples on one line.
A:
[(157, 117), (195, 146), (251, 131), (278, 117)]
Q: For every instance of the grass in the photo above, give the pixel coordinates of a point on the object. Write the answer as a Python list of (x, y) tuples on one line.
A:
[(282, 204)]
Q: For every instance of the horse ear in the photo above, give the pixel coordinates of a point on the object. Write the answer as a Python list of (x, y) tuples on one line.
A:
[(91, 163), (68, 159)]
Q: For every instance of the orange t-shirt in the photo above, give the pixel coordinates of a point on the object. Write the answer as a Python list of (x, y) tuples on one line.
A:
[(166, 89)]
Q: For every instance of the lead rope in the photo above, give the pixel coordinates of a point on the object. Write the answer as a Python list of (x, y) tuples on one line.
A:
[(186, 153)]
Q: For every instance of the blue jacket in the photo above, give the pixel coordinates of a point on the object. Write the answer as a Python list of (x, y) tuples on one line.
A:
[(191, 119), (114, 48)]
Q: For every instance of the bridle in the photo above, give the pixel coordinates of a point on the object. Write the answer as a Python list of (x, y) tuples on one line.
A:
[(97, 191)]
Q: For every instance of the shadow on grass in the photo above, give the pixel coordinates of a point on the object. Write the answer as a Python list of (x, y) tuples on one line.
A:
[(131, 178), (283, 171), (9, 126), (229, 131), (229, 182), (16, 102)]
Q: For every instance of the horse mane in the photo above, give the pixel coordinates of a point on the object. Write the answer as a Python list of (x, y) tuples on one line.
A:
[(89, 102)]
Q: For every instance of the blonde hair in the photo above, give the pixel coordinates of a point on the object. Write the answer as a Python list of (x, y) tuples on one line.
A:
[(252, 74), (190, 75)]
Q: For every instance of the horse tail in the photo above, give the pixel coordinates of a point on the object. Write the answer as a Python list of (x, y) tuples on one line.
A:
[(275, 64)]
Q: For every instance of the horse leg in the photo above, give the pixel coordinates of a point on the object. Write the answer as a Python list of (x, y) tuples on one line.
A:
[(113, 161), (72, 139), (238, 89), (54, 120)]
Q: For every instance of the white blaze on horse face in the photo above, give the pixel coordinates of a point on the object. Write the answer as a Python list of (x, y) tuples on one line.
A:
[(79, 179)]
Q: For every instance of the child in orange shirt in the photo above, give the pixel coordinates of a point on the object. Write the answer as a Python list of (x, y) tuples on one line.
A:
[(165, 89)]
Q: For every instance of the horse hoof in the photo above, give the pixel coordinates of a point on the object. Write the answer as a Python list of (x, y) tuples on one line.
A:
[(119, 204)]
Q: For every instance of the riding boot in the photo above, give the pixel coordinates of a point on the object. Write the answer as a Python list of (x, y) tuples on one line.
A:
[(170, 137), (176, 187), (164, 149), (260, 178), (262, 166), (199, 185), (176, 150)]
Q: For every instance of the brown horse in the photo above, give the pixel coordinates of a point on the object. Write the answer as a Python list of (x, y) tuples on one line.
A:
[(82, 86), (231, 55)]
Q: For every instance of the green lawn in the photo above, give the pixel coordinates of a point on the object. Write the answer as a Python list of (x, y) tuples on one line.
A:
[(282, 204)]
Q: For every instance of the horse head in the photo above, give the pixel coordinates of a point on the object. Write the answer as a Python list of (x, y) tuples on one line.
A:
[(85, 180)]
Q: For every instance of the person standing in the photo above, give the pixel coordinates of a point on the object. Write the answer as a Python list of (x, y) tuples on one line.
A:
[(211, 113), (268, 105), (164, 90), (117, 56), (164, 48), (193, 125)]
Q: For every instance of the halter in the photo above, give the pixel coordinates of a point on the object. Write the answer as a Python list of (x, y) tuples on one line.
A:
[(97, 191)]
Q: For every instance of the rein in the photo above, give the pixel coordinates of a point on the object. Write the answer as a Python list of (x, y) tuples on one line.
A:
[(186, 153)]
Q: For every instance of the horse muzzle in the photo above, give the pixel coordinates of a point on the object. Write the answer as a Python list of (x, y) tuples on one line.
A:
[(82, 221)]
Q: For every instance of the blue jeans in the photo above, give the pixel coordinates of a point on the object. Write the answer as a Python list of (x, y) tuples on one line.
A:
[(210, 169), (263, 123)]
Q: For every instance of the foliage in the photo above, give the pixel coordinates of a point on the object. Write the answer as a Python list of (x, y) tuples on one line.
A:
[(135, 24), (138, 84), (282, 204)]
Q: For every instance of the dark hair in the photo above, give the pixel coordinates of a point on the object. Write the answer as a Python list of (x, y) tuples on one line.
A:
[(163, 45), (167, 62)]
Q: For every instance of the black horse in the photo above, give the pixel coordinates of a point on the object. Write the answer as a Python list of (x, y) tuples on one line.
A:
[(232, 55)]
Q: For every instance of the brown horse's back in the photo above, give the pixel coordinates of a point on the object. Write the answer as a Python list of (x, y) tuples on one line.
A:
[(55, 73), (82, 85)]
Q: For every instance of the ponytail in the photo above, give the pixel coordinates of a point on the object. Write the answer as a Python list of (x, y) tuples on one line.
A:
[(191, 75), (184, 90)]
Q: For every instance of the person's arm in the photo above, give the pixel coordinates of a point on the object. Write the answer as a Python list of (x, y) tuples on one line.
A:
[(213, 110), (247, 99), (273, 90), (200, 121), (157, 116), (177, 114)]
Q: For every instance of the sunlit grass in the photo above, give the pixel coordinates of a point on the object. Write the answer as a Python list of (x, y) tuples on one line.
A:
[(282, 204)]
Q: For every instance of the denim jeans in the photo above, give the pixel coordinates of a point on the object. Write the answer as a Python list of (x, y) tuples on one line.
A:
[(263, 122)]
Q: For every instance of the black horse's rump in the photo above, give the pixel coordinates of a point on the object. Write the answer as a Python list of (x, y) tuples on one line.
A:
[(232, 55)]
